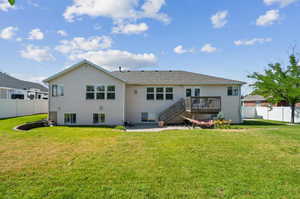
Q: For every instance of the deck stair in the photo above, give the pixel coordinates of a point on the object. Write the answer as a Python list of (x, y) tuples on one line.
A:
[(173, 111)]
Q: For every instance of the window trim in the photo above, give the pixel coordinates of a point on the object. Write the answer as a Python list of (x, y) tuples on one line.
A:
[(99, 115), (169, 93), (235, 91), (100, 92), (110, 92), (162, 93), (57, 90), (90, 92), (70, 115), (147, 121), (150, 93)]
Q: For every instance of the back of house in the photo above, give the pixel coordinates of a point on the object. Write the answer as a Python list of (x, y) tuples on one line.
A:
[(86, 94)]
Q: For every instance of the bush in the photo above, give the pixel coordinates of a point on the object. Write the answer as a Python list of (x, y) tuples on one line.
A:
[(222, 124), (122, 128)]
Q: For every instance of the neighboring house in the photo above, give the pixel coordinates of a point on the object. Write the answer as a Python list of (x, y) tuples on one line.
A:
[(86, 94), (260, 101), (12, 88)]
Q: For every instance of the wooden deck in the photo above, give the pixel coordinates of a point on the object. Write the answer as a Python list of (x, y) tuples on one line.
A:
[(209, 105)]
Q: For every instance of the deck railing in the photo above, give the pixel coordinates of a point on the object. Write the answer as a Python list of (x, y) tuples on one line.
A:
[(203, 104)]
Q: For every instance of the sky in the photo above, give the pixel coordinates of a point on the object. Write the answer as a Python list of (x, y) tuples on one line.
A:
[(225, 38)]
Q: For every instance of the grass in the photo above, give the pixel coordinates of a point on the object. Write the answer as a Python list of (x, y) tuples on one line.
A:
[(258, 160)]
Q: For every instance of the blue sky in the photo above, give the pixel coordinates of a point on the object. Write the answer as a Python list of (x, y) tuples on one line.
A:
[(226, 38)]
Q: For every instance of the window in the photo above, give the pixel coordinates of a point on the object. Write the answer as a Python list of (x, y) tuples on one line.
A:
[(111, 92), (233, 91), (60, 91), (100, 95), (90, 92), (159, 93), (148, 117), (150, 93), (70, 118), (54, 90), (188, 92), (197, 92), (169, 93), (98, 118), (57, 90)]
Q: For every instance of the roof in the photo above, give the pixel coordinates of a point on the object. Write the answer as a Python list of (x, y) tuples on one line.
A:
[(250, 98), (171, 78), (11, 82), (77, 66), (154, 77)]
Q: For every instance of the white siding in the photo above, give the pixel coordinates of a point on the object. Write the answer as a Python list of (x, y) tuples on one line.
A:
[(74, 99), (137, 102)]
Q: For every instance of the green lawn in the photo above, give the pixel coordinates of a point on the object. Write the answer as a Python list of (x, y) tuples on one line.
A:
[(258, 160)]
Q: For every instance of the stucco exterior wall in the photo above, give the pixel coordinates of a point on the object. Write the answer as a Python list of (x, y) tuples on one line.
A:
[(136, 101), (74, 99)]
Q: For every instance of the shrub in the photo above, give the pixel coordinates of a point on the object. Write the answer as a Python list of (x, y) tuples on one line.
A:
[(222, 124), (122, 128)]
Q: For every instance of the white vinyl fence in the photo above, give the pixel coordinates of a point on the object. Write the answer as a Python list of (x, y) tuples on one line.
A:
[(274, 113), (14, 108)]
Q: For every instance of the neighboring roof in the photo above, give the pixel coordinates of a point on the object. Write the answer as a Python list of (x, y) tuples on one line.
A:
[(250, 98), (8, 81), (77, 66), (171, 78)]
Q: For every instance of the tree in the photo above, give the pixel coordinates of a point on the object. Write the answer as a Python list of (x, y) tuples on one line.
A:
[(279, 84), (12, 2)]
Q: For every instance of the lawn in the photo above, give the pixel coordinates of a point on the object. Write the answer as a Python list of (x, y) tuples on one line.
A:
[(258, 160)]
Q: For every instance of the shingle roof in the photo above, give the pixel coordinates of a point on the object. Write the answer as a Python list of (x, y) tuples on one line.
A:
[(11, 82), (253, 98), (170, 77)]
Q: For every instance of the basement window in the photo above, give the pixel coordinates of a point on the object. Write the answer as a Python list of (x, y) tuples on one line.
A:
[(70, 118), (98, 118), (147, 117)]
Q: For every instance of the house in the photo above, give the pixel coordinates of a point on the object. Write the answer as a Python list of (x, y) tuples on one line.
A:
[(13, 88), (86, 94), (260, 101)]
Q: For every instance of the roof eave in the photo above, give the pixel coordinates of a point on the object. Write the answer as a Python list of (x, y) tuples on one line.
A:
[(77, 65)]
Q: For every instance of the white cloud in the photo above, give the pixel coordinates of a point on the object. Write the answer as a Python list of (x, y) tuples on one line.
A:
[(282, 3), (84, 44), (36, 34), (130, 28), (252, 41), (117, 10), (112, 59), (8, 33), (36, 53), (62, 33), (19, 39), (208, 48), (181, 50), (269, 18), (5, 6), (219, 20)]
